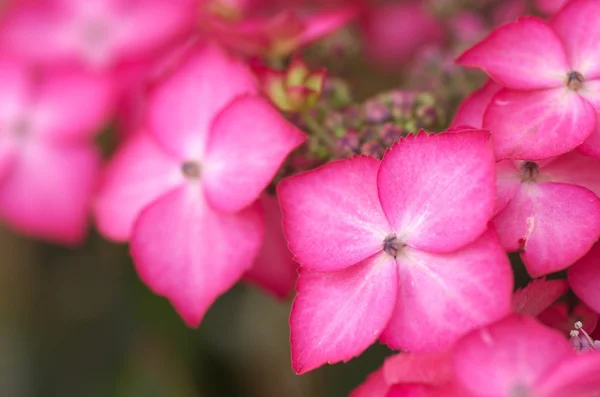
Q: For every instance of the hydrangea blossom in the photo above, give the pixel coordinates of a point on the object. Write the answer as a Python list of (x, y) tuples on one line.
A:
[(48, 164), (549, 72), (182, 190), (391, 249)]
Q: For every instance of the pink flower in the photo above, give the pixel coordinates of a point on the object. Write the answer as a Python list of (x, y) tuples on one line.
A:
[(519, 357), (182, 191), (584, 278), (390, 249), (550, 72), (548, 210), (563, 318), (48, 164), (274, 269), (95, 33), (538, 296)]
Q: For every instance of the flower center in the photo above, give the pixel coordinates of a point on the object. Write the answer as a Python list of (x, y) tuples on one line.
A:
[(574, 80), (529, 171), (581, 340), (191, 169), (392, 245)]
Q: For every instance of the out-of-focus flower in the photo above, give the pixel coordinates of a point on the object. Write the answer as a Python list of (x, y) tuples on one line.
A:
[(94, 33), (403, 232), (277, 35), (292, 90), (550, 73), (48, 163), (182, 191), (274, 269), (550, 7)]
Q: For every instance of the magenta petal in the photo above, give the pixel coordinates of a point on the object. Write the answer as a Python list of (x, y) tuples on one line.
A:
[(508, 356), (532, 125), (337, 315), (582, 37), (471, 110), (573, 377), (187, 252), (138, 174), (248, 143), (424, 368), (584, 278), (521, 55), (443, 296), (374, 386), (324, 23), (553, 224), (591, 92), (508, 182), (538, 296), (438, 205), (182, 108), (274, 268), (575, 169), (48, 190), (332, 216)]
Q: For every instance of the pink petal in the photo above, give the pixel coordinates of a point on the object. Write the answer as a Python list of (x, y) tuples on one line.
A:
[(183, 107), (575, 169), (438, 205), (424, 368), (16, 88), (521, 55), (65, 94), (274, 268), (538, 296), (584, 278), (409, 390), (591, 92), (532, 125), (508, 182), (185, 251), (580, 34), (374, 386), (330, 207), (553, 224), (337, 315), (573, 377), (444, 296), (139, 173), (47, 192), (471, 110), (508, 356), (549, 7), (248, 143), (324, 23)]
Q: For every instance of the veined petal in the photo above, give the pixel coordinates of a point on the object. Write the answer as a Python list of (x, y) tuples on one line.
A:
[(337, 315), (575, 169)]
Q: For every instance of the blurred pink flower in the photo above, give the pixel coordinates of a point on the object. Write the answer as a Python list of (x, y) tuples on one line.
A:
[(387, 249), (550, 7), (550, 72), (584, 278), (182, 190), (48, 163)]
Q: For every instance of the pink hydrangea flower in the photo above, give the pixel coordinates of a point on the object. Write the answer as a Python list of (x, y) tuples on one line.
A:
[(182, 191), (95, 33), (391, 249), (48, 163), (520, 357), (548, 210), (274, 269), (584, 278), (550, 72)]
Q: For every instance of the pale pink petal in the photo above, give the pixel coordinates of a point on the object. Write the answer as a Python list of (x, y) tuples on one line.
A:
[(552, 224), (444, 204), (443, 296), (337, 315), (573, 377), (521, 55), (332, 207), (274, 268), (138, 174), (374, 386), (508, 182), (578, 30), (73, 104), (248, 143), (538, 296), (190, 254), (424, 368), (584, 278), (591, 92), (48, 191), (509, 356), (182, 108), (575, 169), (532, 125), (471, 110)]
